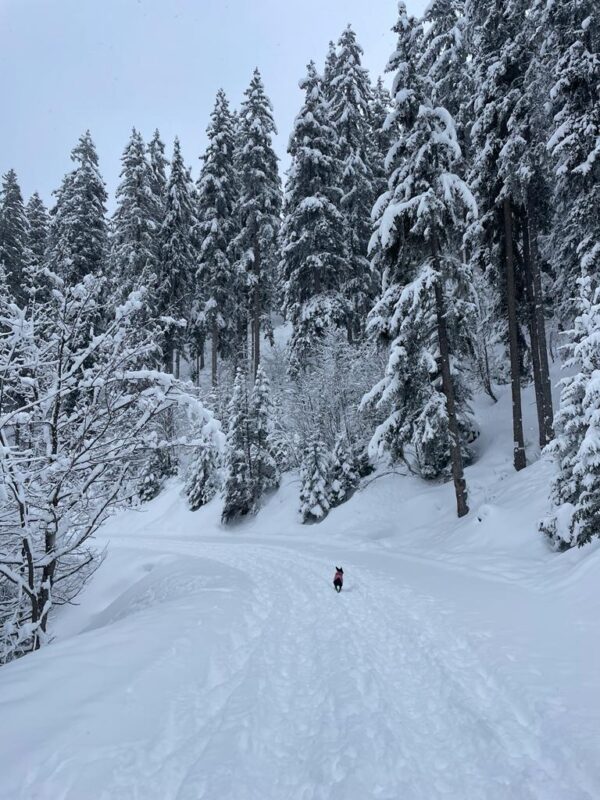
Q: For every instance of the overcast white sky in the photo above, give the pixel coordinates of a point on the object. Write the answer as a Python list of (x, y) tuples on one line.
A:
[(106, 65)]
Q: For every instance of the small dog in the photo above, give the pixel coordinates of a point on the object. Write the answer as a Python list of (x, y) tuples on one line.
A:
[(338, 580)]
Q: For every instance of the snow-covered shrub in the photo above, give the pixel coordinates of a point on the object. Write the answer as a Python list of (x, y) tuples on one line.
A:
[(204, 479), (314, 476), (344, 473), (576, 448)]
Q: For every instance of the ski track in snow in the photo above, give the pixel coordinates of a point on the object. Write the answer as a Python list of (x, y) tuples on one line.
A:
[(303, 695)]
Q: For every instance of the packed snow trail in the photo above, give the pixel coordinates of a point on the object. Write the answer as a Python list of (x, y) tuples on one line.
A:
[(234, 671)]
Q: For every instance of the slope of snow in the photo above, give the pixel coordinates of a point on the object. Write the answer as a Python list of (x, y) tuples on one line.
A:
[(460, 661)]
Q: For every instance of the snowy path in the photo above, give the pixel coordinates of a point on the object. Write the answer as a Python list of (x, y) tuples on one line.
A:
[(232, 670)]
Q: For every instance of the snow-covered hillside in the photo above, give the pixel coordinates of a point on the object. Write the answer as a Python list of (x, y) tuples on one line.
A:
[(460, 661)]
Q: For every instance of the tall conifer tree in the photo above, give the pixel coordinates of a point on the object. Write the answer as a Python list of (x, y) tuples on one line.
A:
[(13, 234), (134, 221), (177, 262), (314, 256), (78, 229), (217, 228), (350, 107), (259, 207)]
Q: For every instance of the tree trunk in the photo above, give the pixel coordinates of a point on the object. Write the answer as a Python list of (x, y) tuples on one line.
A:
[(460, 485), (177, 363), (533, 337), (513, 335), (168, 355), (202, 362), (538, 298), (214, 353), (256, 311)]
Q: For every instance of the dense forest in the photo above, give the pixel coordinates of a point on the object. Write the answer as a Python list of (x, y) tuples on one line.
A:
[(431, 241)]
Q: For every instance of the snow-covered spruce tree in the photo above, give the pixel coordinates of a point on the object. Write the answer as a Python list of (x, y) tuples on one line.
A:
[(571, 55), (344, 472), (177, 263), (158, 164), (151, 479), (37, 232), (328, 73), (314, 477), (265, 472), (204, 478), (426, 311), (238, 489), (349, 110), (78, 230), (196, 329), (13, 233), (84, 419), (572, 51), (523, 167), (506, 177), (444, 54), (259, 207), (576, 448), (382, 135), (134, 221), (313, 263), (217, 228)]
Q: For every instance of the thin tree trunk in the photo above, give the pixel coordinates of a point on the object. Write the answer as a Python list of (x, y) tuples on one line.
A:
[(538, 297), (177, 363), (515, 361), (202, 362), (256, 311), (169, 352), (460, 485), (533, 338), (214, 353)]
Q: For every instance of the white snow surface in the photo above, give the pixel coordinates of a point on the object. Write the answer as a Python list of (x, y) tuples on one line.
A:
[(461, 661)]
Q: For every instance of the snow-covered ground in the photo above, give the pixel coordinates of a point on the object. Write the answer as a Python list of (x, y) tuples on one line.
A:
[(461, 661)]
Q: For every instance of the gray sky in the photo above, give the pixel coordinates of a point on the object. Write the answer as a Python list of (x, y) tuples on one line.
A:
[(106, 65)]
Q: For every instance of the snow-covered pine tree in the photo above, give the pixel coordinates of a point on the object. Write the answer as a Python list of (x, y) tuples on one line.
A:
[(427, 310), (150, 481), (265, 473), (314, 477), (13, 234), (217, 228), (259, 208), (177, 262), (134, 221), (499, 66), (344, 474), (37, 231), (523, 168), (158, 164), (329, 72), (382, 135), (238, 488), (313, 263), (204, 479), (36, 280), (576, 448), (197, 329), (78, 229), (444, 54), (350, 113), (571, 55)]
